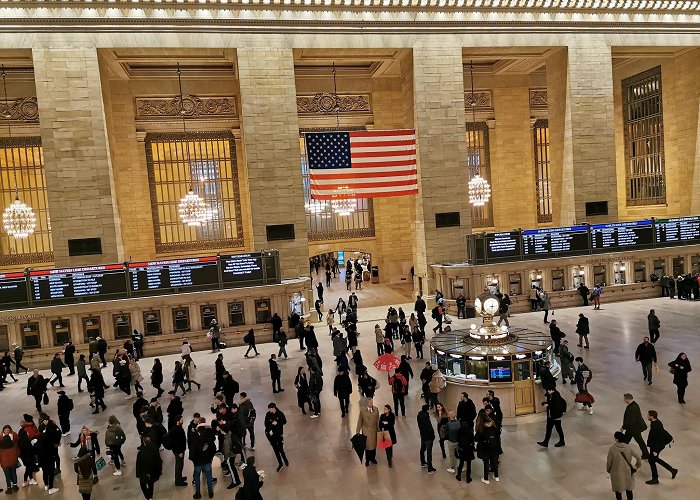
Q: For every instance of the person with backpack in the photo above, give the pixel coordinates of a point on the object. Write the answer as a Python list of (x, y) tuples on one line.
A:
[(566, 362), (229, 387), (247, 415), (214, 333), (399, 385), (556, 407), (595, 296), (557, 335), (680, 367), (657, 440), (582, 377), (437, 315), (114, 439), (250, 340), (64, 406), (488, 445), (436, 385)]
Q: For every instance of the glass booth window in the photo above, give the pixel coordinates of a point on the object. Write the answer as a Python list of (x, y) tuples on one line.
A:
[(122, 325), (4, 338), (640, 272), (236, 313), (91, 328), (263, 311), (30, 335), (695, 264), (599, 275), (60, 330), (207, 313), (181, 319), (514, 284), (151, 323), (457, 288), (456, 367), (660, 267), (477, 369), (557, 280)]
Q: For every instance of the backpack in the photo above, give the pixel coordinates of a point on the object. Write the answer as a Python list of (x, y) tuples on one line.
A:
[(668, 439), (397, 385), (246, 339), (435, 312)]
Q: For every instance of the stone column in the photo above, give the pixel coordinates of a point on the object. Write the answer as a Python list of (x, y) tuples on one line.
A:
[(438, 113), (78, 168), (581, 122), (271, 140)]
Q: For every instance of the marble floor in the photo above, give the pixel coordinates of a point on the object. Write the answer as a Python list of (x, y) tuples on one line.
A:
[(324, 467)]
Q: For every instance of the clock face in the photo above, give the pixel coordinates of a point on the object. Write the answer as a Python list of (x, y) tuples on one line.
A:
[(477, 305), (491, 305)]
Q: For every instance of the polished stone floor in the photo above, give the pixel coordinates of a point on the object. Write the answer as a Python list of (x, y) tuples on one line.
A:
[(324, 467)]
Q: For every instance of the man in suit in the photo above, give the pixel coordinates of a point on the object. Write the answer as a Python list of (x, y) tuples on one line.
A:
[(633, 424), (368, 424)]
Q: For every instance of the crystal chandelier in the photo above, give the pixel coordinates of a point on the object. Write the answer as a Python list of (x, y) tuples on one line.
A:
[(18, 219), (479, 188), (343, 204), (315, 207), (479, 191)]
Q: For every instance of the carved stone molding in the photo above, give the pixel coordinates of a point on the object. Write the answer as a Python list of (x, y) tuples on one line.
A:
[(22, 109), (482, 99), (538, 99), (191, 107), (325, 103)]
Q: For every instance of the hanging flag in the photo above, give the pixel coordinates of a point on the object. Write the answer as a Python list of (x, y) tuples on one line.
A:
[(362, 164)]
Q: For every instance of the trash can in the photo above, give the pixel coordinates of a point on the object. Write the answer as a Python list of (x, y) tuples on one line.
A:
[(375, 274), (469, 311)]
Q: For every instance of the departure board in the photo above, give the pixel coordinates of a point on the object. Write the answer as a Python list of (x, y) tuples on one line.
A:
[(622, 235), (168, 275), (548, 242), (502, 245), (13, 290), (78, 283), (680, 231), (239, 268)]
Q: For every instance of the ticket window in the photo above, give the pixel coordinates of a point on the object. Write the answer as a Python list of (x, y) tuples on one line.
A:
[(557, 280), (640, 272), (30, 335), (91, 328), (181, 319), (122, 325), (236, 314), (263, 311), (536, 280), (678, 266), (695, 264), (4, 338), (492, 284), (207, 314), (457, 288), (599, 275), (579, 278), (620, 274), (151, 322), (514, 284), (660, 267), (60, 330)]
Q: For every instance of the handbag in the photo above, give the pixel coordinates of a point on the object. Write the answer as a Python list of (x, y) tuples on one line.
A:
[(672, 370), (383, 440), (632, 469), (46, 399), (100, 464)]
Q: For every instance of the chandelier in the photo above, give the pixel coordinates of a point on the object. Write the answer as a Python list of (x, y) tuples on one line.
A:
[(18, 219), (479, 188), (315, 207), (344, 207)]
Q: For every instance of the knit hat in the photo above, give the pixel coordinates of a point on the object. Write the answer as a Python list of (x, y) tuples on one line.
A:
[(28, 418), (43, 417)]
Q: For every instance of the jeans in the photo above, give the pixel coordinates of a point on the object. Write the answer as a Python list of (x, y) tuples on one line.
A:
[(278, 447), (251, 431), (344, 404), (426, 445), (399, 401), (252, 346), (206, 469), (276, 384), (654, 335), (461, 466), (553, 424), (653, 460), (419, 350), (215, 344), (490, 463), (10, 476), (146, 487), (57, 378), (282, 351), (546, 315), (640, 441), (451, 458), (581, 339), (116, 454), (80, 379), (647, 370)]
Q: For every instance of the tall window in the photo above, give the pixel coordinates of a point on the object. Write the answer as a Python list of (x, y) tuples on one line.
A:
[(206, 163), (22, 157), (324, 222), (540, 132), (644, 138), (478, 163)]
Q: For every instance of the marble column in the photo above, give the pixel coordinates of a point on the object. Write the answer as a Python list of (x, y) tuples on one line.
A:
[(77, 161), (271, 139)]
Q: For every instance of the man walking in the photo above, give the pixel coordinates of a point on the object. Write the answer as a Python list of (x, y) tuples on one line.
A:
[(556, 334), (342, 388), (57, 367), (69, 357), (275, 374), (583, 329), (36, 386), (250, 340), (657, 440), (64, 406), (399, 388), (556, 407), (81, 366), (633, 424), (102, 350), (427, 437), (247, 415), (18, 354), (202, 450), (654, 324), (368, 425), (176, 441), (646, 355), (274, 430)]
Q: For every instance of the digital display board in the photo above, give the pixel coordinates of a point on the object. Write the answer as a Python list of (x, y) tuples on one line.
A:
[(78, 283), (680, 231), (622, 235), (554, 241), (244, 267), (502, 245), (13, 289), (166, 275)]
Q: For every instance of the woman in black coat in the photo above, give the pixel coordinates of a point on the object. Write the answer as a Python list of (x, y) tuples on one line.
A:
[(488, 445), (386, 423), (465, 443), (680, 368), (252, 482), (157, 377), (302, 385)]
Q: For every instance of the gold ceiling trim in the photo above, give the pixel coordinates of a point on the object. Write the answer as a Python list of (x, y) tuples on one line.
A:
[(21, 109), (191, 107), (325, 103), (538, 99)]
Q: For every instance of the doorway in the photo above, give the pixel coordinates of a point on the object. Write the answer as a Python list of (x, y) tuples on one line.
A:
[(522, 380)]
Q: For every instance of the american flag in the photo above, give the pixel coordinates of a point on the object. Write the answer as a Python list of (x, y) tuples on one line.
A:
[(362, 164)]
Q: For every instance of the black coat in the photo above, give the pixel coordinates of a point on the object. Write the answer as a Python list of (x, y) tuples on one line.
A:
[(633, 422), (548, 380), (148, 463), (36, 386), (556, 406), (465, 441), (302, 385), (645, 353), (274, 369), (229, 387), (202, 446), (274, 423), (386, 423), (419, 306), (64, 405), (97, 383), (681, 367), (102, 346), (425, 426), (582, 326), (342, 385), (136, 408), (658, 437), (156, 375), (466, 411), (488, 443), (251, 485), (69, 354), (175, 409)]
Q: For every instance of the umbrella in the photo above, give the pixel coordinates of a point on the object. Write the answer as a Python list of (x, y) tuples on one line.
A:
[(387, 362), (359, 442)]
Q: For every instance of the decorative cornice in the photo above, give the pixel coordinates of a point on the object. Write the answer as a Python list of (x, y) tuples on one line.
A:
[(191, 107), (538, 99), (325, 103), (481, 99), (22, 109)]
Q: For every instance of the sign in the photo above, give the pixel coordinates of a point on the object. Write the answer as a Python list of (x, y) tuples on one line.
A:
[(242, 268), (502, 245), (168, 275), (680, 231), (622, 235), (78, 283), (13, 290), (555, 241)]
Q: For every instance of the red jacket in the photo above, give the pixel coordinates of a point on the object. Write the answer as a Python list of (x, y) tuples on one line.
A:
[(9, 453)]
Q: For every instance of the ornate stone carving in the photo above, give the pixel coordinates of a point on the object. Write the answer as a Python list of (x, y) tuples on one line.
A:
[(538, 98), (191, 107), (325, 103), (22, 109), (482, 99)]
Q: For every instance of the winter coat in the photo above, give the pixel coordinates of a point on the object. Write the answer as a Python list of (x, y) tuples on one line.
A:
[(36, 386), (681, 367), (135, 370), (368, 424), (202, 446), (302, 385), (488, 443), (437, 382), (465, 441), (386, 423), (80, 366), (274, 423), (114, 435), (251, 485), (342, 385), (340, 346), (645, 353), (56, 366), (64, 405), (157, 375), (246, 413), (149, 463), (378, 335), (582, 326), (556, 406), (466, 411), (425, 426), (9, 450), (566, 361), (633, 422), (618, 466)]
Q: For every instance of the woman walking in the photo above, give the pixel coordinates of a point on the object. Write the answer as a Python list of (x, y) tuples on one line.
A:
[(441, 418), (83, 467), (190, 374), (387, 420), (680, 368), (157, 377), (330, 320), (114, 439), (379, 339), (88, 440), (488, 445), (9, 457), (301, 383), (136, 377), (179, 378), (620, 468)]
